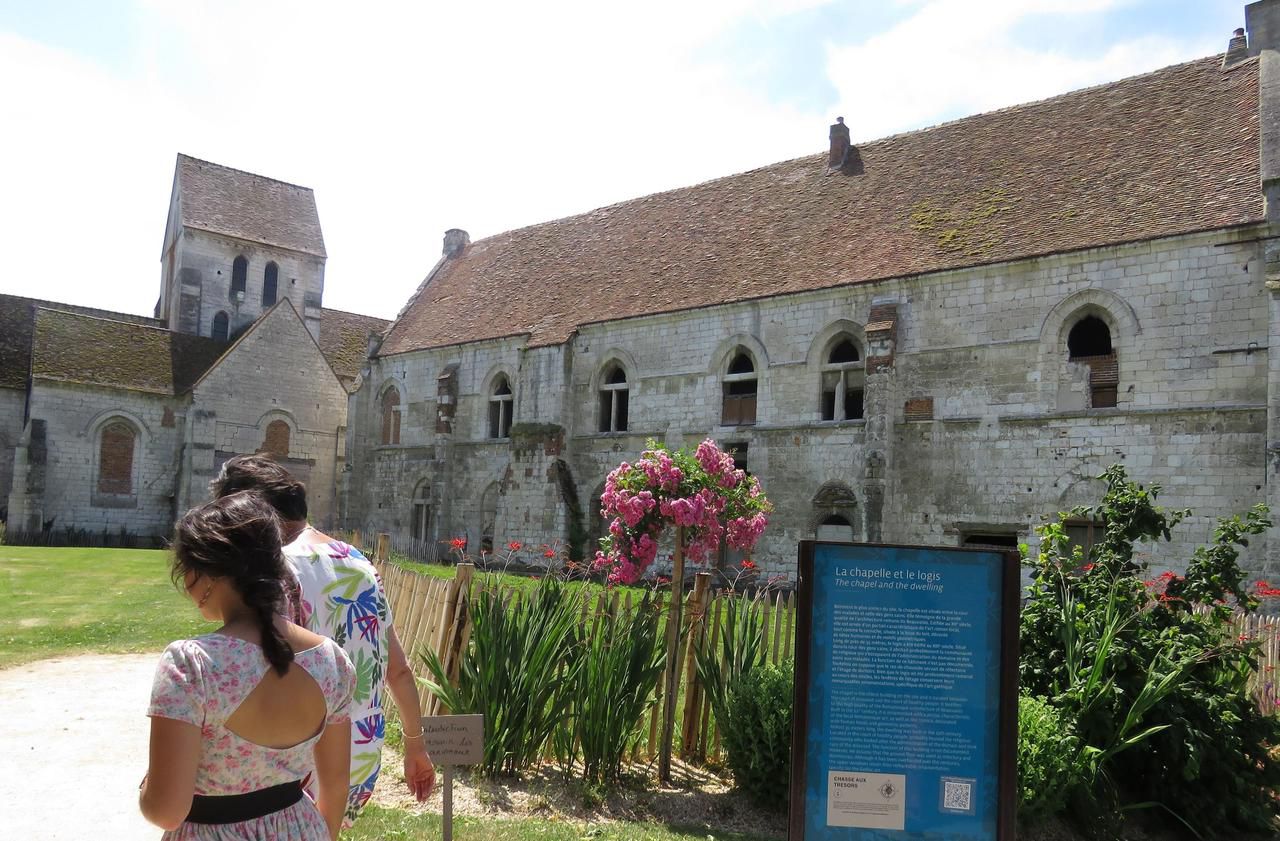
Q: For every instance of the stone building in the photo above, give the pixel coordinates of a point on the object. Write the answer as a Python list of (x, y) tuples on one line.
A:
[(115, 423), (939, 337)]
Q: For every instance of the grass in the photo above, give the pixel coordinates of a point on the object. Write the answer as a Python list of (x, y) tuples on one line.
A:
[(384, 824), (88, 601)]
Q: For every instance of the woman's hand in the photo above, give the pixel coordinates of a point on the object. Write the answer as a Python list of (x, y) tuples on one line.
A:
[(419, 772)]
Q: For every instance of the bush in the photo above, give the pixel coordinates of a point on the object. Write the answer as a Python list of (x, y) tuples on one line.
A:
[(1047, 753), (1150, 669), (757, 734)]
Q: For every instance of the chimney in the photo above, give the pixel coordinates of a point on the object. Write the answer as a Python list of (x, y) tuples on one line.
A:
[(1237, 49), (455, 239), (839, 145), (1262, 19)]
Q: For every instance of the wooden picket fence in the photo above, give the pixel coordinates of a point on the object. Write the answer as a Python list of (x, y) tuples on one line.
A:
[(1265, 682), (430, 614)]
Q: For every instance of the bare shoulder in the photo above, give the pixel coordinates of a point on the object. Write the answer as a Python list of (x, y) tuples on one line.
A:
[(299, 638)]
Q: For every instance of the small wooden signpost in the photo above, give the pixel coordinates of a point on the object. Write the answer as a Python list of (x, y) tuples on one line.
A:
[(453, 740)]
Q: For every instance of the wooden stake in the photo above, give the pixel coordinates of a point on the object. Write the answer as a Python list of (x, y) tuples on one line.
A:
[(673, 659)]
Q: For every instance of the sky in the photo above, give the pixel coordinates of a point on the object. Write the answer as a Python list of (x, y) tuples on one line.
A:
[(408, 119)]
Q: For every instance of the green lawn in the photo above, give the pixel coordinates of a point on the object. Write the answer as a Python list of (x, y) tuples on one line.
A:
[(88, 601), (384, 824)]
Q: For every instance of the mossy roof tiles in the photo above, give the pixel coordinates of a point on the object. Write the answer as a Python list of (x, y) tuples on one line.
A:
[(1166, 153), (344, 340)]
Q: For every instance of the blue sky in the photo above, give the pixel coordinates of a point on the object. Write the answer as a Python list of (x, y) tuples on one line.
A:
[(408, 119)]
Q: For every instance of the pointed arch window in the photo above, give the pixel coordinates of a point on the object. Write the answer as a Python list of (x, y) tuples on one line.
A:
[(270, 280), (739, 383), (614, 400), (501, 408), (239, 275), (843, 380), (391, 416), (1089, 343), (221, 327)]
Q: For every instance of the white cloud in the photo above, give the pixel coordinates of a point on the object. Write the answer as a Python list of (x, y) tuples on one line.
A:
[(949, 59)]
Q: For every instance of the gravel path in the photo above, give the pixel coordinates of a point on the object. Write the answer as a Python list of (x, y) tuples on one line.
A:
[(73, 747)]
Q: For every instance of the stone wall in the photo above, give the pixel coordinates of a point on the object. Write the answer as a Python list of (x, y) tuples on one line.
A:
[(1000, 430), (276, 374), (12, 402)]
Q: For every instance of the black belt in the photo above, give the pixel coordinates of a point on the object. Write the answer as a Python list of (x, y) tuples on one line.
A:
[(233, 808)]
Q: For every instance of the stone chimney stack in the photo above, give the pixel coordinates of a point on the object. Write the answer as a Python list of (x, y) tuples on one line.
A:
[(839, 145), (455, 240), (1237, 49), (1262, 19)]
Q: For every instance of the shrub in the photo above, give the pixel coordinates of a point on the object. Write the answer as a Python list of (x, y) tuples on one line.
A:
[(741, 646), (516, 670), (1150, 669), (757, 733), (1047, 753)]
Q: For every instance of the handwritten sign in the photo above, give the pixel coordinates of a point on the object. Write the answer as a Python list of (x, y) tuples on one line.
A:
[(454, 739)]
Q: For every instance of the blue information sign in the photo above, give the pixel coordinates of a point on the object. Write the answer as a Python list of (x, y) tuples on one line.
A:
[(904, 678)]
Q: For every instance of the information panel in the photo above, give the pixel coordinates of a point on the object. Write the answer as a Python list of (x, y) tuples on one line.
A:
[(906, 698)]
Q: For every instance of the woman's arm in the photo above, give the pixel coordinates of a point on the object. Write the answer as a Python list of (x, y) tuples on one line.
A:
[(419, 772), (333, 770), (165, 796)]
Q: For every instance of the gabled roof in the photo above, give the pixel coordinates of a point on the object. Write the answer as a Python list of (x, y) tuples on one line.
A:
[(69, 347), (1169, 152), (17, 327), (344, 340), (240, 204)]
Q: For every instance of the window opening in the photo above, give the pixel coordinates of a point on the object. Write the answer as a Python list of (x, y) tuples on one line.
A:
[(221, 327), (990, 540), (835, 527), (1083, 533), (420, 525), (391, 416), (115, 458), (1089, 343), (239, 274), (613, 401), (843, 378), (500, 409), (270, 279), (739, 407), (276, 441)]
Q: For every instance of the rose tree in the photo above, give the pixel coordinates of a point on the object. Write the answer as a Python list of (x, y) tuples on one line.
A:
[(701, 493)]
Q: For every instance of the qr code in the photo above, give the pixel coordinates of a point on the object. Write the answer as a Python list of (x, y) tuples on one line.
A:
[(957, 795)]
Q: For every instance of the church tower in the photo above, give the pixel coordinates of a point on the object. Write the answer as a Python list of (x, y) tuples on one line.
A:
[(235, 243)]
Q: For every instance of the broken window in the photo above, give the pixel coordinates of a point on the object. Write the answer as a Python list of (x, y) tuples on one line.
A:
[(115, 458), (843, 377), (501, 408), (239, 275), (613, 401), (739, 407), (270, 279), (221, 327), (1089, 343), (391, 416)]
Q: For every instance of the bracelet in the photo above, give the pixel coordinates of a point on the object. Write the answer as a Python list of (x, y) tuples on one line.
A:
[(417, 735)]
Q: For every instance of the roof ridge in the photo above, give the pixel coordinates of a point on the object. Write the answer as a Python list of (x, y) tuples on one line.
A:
[(245, 172), (349, 312), (58, 308)]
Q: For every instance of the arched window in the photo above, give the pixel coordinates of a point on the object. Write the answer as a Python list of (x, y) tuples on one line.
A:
[(1089, 343), (843, 377), (115, 458), (739, 406), (836, 527), (614, 401), (276, 441), (270, 279), (239, 274), (501, 408), (221, 327), (420, 513), (391, 416)]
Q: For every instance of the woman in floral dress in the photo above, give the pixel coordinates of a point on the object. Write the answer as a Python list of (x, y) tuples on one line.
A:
[(241, 716), (338, 594)]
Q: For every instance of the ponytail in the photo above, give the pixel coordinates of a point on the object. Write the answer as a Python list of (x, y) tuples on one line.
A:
[(275, 647)]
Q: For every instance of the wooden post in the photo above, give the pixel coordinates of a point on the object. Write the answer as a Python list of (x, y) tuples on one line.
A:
[(355, 540), (383, 552), (673, 659), (447, 817), (692, 689)]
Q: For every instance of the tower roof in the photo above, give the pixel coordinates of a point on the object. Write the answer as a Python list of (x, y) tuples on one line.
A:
[(239, 204)]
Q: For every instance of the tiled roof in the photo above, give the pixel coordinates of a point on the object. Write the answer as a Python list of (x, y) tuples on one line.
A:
[(344, 341), (1165, 153), (73, 348), (247, 206), (17, 317)]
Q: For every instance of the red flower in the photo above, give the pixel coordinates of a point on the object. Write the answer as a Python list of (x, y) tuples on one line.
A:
[(550, 553), (514, 546), (748, 564), (662, 579), (1088, 567), (458, 543)]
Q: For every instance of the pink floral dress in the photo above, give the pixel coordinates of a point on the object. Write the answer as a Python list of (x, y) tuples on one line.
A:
[(202, 681)]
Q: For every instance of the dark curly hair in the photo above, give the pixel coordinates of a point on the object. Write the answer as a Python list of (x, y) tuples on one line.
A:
[(238, 537), (269, 478)]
